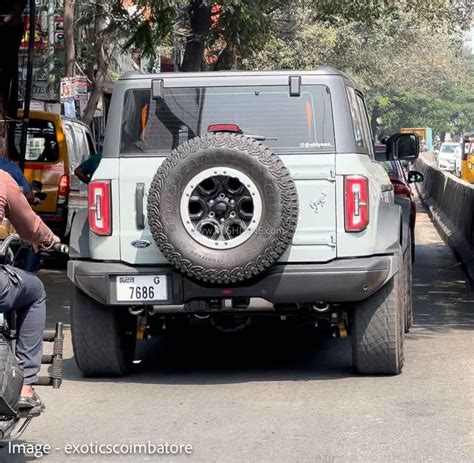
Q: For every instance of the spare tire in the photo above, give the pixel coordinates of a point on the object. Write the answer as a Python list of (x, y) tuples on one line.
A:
[(222, 208)]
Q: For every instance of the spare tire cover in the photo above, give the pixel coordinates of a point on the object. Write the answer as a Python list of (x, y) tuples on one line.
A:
[(222, 208)]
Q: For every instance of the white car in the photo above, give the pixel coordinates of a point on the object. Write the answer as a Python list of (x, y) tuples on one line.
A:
[(449, 157)]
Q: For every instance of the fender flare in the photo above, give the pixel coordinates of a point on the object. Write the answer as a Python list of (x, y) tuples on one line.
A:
[(79, 238), (405, 204)]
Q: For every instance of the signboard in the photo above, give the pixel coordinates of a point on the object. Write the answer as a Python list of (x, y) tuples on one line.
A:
[(68, 89), (41, 40), (81, 87), (40, 81), (59, 32), (70, 109), (74, 88)]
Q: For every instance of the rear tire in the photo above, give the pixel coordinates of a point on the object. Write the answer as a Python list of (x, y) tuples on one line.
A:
[(378, 331), (103, 338)]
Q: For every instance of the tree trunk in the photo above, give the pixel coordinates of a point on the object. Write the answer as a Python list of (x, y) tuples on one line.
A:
[(103, 53), (200, 22), (226, 60), (69, 46), (103, 50), (373, 122)]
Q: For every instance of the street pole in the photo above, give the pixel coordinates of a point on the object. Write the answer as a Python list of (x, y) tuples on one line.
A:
[(51, 40), (29, 81)]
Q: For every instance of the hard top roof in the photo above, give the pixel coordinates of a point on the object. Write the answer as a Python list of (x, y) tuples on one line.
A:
[(319, 71)]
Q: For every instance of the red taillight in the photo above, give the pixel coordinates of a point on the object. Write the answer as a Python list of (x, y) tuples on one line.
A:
[(356, 203), (234, 128), (401, 189), (100, 208), (64, 187)]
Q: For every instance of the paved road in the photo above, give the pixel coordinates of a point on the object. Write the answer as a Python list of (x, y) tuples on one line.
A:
[(279, 395)]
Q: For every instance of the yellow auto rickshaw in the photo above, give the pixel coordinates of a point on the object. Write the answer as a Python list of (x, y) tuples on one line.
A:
[(55, 146), (467, 163)]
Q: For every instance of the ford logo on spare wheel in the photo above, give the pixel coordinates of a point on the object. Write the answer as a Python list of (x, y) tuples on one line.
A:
[(141, 244)]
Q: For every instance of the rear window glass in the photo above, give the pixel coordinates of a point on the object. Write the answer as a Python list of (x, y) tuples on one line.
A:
[(267, 113), (450, 148), (357, 118), (42, 144)]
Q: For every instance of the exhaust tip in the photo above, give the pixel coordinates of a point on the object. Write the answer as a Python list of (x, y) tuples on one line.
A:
[(320, 307)]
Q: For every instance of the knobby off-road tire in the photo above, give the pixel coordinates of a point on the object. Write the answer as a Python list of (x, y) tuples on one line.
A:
[(103, 338), (279, 208), (378, 331), (408, 287)]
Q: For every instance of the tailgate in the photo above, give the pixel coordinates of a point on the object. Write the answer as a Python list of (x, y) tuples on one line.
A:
[(315, 237)]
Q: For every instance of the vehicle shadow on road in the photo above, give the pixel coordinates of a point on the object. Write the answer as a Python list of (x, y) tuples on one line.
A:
[(442, 298), (200, 355)]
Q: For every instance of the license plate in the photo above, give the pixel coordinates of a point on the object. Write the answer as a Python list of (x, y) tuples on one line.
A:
[(144, 288)]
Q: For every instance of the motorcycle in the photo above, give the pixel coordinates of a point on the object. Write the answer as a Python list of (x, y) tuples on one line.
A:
[(14, 421)]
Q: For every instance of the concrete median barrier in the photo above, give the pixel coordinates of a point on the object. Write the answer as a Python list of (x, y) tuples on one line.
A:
[(450, 202)]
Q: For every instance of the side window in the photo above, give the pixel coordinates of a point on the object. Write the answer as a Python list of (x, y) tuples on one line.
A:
[(357, 120), (365, 124), (71, 145), (81, 143), (91, 144)]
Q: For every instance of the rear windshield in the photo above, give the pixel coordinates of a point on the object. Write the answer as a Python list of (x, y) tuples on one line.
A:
[(42, 144), (283, 123)]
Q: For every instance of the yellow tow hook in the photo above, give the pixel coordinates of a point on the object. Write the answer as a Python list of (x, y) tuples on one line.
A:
[(342, 329), (142, 327)]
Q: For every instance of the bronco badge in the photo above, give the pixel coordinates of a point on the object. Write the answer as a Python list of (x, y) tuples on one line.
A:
[(141, 244), (317, 204)]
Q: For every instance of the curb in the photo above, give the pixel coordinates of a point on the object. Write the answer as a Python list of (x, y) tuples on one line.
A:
[(463, 250)]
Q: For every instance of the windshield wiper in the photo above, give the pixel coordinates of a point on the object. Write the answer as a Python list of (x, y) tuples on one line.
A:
[(257, 136)]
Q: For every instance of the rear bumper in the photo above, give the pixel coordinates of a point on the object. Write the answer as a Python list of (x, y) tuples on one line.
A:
[(342, 280)]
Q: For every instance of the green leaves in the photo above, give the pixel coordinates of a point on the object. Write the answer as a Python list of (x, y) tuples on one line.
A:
[(407, 56)]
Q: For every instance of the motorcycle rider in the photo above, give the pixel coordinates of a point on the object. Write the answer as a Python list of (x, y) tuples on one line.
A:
[(22, 291)]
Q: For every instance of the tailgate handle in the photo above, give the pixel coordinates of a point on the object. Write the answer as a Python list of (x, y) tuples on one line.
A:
[(139, 216)]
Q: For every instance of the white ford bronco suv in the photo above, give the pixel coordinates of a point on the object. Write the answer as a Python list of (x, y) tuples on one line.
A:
[(230, 195)]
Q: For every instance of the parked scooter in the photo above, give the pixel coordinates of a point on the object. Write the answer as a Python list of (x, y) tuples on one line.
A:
[(13, 421)]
